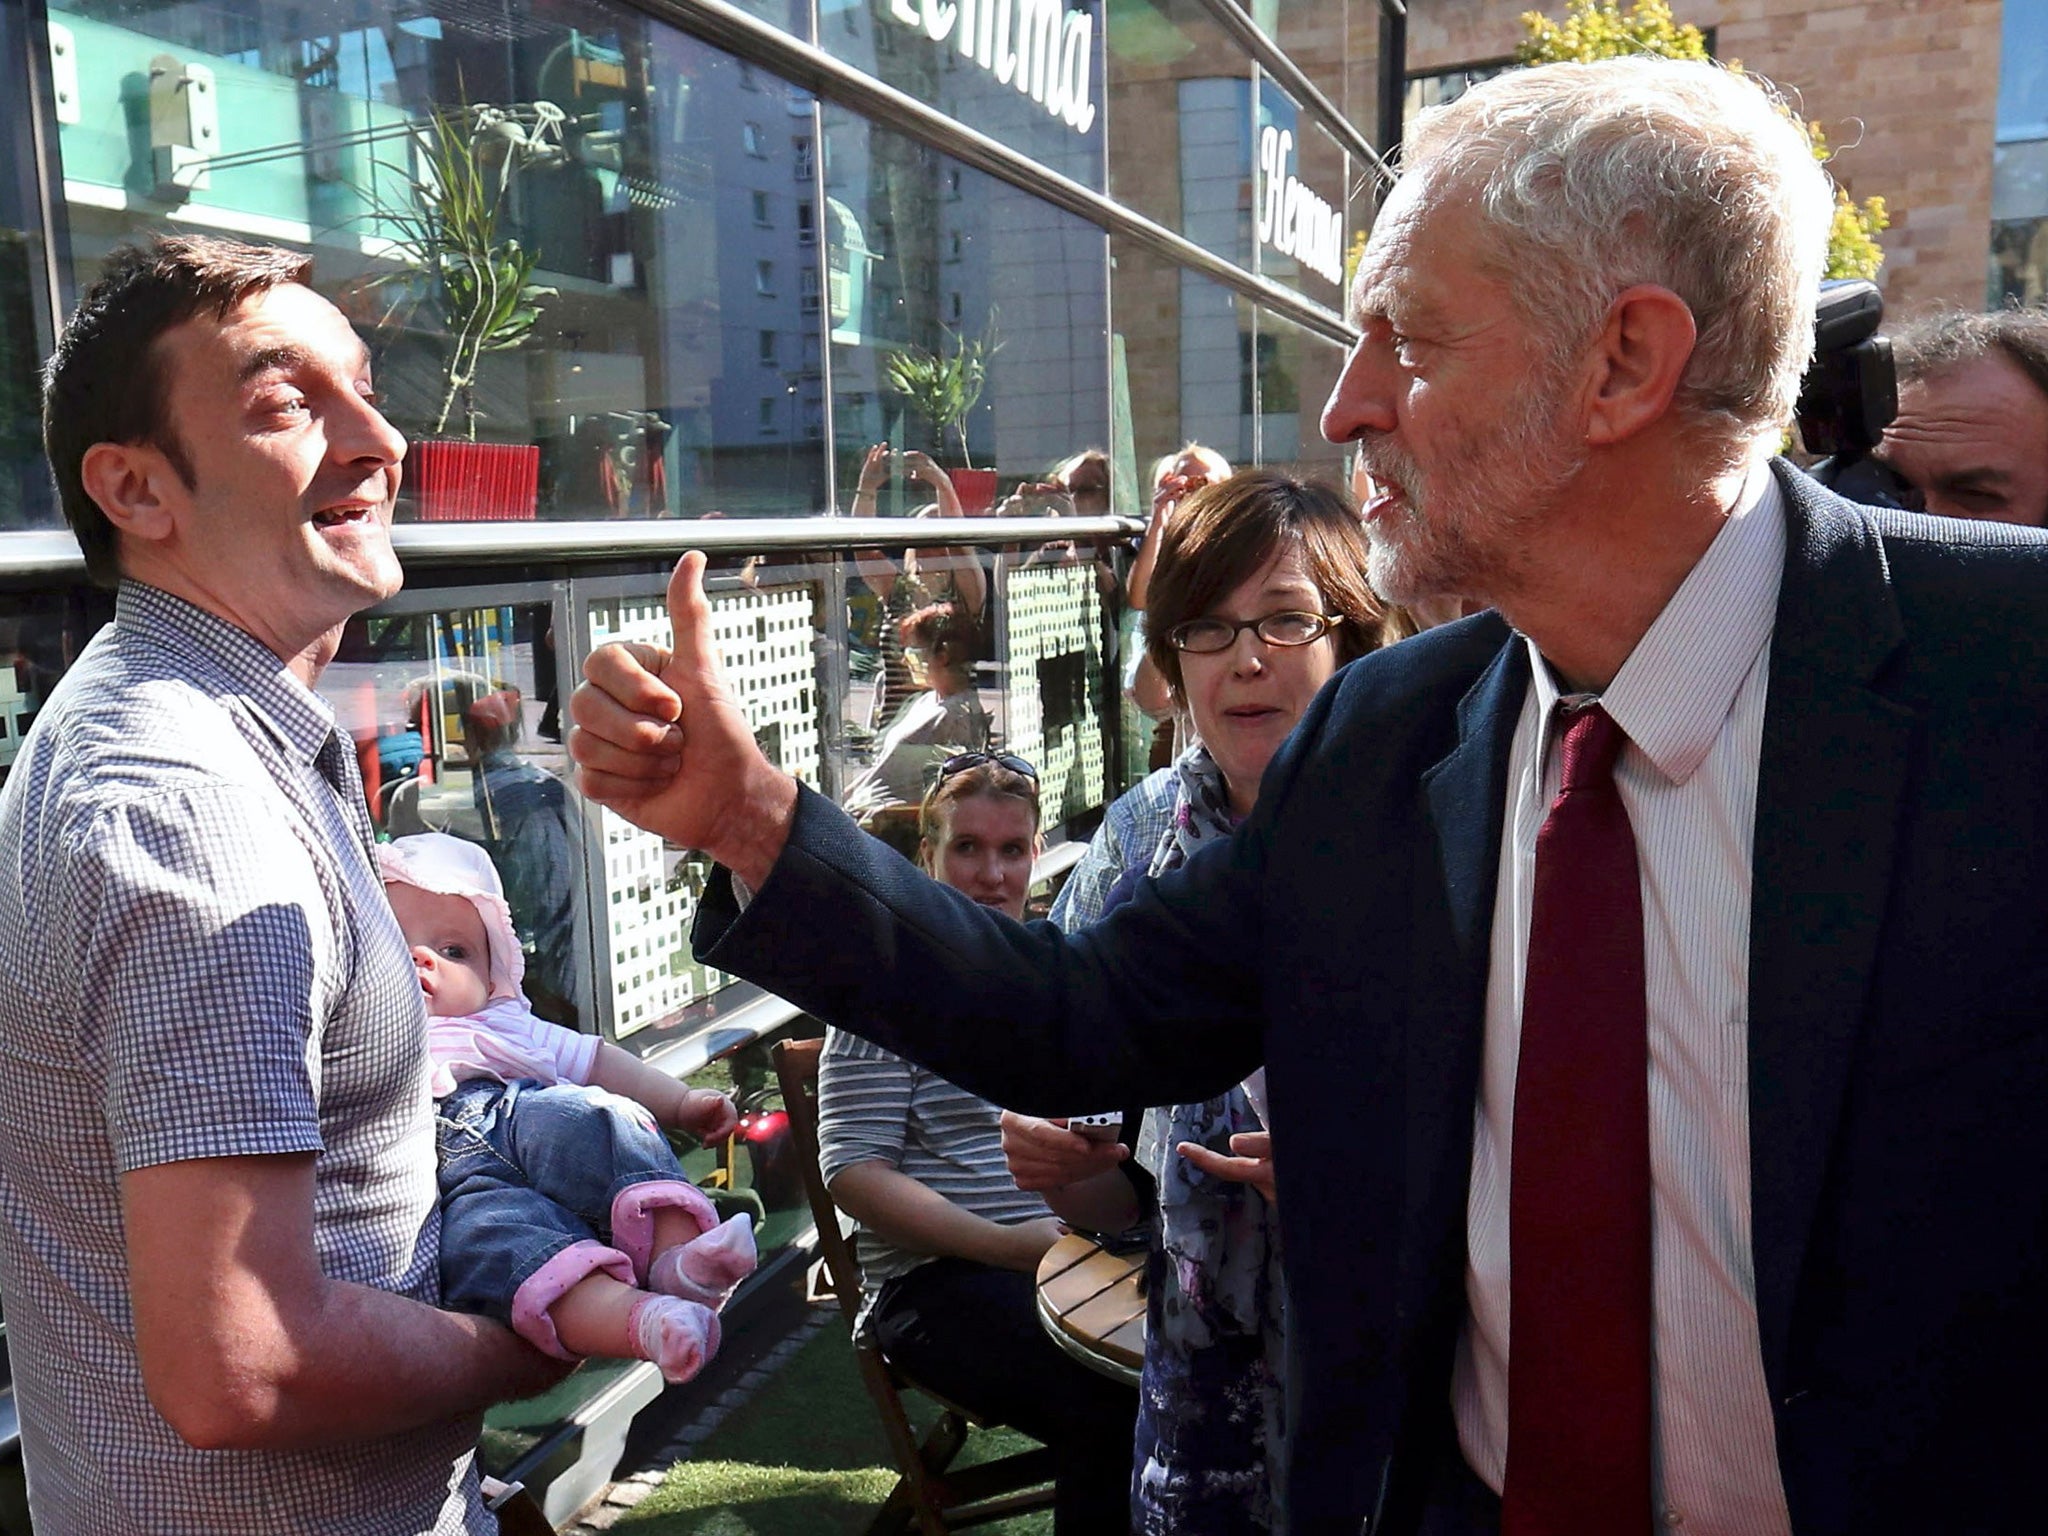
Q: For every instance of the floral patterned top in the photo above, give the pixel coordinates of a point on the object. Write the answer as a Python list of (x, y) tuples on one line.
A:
[(1211, 1411)]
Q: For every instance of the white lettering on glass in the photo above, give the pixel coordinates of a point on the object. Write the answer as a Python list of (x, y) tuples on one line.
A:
[(1045, 50), (1293, 220)]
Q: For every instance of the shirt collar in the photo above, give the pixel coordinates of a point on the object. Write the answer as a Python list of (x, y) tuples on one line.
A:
[(205, 643), (1678, 685)]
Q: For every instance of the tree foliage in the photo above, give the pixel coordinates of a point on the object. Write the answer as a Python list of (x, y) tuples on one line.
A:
[(1600, 29)]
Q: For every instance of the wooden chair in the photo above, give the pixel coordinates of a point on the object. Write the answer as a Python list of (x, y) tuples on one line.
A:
[(927, 1496)]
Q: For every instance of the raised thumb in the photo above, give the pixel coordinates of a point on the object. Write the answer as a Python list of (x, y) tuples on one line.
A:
[(693, 651)]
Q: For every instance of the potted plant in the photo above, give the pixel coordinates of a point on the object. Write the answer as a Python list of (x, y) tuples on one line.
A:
[(477, 281), (942, 387)]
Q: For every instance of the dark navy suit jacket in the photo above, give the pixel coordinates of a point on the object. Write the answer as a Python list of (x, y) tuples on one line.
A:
[(1898, 1021)]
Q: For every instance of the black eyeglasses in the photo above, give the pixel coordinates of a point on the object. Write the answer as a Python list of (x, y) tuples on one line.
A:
[(961, 762), (1205, 637)]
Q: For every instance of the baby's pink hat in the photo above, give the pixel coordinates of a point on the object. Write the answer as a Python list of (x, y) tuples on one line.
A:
[(447, 866)]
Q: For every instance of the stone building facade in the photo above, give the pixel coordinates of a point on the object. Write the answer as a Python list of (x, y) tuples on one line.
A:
[(1906, 91)]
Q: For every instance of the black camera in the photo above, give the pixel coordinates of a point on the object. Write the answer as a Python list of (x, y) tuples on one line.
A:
[(1850, 395)]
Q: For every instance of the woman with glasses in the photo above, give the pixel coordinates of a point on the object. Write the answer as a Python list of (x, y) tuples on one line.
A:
[(1259, 594), (948, 1245)]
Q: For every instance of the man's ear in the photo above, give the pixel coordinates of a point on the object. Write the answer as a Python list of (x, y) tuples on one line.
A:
[(1636, 362), (133, 484)]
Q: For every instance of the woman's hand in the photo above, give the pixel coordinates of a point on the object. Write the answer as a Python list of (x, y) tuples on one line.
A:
[(874, 469), (1029, 1241), (1171, 492), (1044, 1155), (921, 468), (1253, 1163)]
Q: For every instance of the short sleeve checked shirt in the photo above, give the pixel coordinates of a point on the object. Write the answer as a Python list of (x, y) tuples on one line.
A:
[(196, 960)]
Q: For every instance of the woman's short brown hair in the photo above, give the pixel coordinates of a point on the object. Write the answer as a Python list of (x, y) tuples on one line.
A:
[(1225, 532), (989, 778)]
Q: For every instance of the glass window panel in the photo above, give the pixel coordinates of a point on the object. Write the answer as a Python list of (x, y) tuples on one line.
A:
[(2019, 180), (2023, 72), (2019, 262), (630, 163), (1314, 34), (1025, 309), (41, 634), (1028, 73), (1181, 138), (1297, 370), (456, 713), (1216, 147), (1190, 348), (1441, 87), (955, 649), (26, 497), (1301, 191)]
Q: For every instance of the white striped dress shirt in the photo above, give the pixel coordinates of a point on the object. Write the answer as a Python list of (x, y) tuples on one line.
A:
[(1691, 699)]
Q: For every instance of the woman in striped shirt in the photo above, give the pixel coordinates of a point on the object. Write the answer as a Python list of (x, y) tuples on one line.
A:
[(948, 1244)]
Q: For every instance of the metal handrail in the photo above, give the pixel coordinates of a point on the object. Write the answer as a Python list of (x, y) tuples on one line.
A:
[(53, 552), (1274, 60)]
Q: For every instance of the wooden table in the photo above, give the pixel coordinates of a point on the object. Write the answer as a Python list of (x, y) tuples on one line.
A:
[(1092, 1302)]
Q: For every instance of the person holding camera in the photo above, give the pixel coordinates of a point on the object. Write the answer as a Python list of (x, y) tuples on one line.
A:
[(941, 573), (1175, 477)]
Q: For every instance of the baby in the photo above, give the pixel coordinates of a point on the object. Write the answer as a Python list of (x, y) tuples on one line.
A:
[(563, 1210)]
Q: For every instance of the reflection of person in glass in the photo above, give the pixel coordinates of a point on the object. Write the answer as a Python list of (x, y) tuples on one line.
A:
[(531, 829), (1175, 477), (564, 1213), (1084, 476), (927, 576), (946, 718), (948, 1245), (1077, 486)]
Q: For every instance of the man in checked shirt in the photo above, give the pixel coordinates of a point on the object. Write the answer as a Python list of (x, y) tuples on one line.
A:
[(218, 1237)]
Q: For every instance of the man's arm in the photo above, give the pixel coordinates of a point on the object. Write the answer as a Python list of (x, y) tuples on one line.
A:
[(244, 1344), (1160, 1004)]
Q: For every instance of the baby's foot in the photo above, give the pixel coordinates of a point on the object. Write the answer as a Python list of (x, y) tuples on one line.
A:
[(678, 1336), (707, 1268)]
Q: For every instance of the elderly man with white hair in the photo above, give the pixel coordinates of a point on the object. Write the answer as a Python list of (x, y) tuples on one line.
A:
[(1641, 969)]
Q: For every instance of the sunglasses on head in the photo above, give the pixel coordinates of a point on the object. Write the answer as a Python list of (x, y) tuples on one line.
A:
[(961, 762)]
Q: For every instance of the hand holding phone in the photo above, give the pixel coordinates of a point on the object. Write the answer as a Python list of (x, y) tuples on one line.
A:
[(1096, 1127)]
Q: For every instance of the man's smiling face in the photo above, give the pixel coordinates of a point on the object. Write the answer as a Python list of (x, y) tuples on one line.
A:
[(284, 527)]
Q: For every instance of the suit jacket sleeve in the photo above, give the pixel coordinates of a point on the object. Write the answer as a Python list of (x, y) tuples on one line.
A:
[(1158, 1004)]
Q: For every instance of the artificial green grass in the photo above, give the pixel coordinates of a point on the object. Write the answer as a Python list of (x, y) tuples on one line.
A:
[(804, 1457)]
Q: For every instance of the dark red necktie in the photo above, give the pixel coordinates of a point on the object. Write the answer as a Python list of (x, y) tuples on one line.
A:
[(1579, 1191)]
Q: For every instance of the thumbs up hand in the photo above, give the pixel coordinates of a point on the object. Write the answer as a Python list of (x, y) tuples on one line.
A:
[(660, 739)]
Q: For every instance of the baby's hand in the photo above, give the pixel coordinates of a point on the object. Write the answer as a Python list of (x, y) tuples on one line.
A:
[(708, 1115)]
